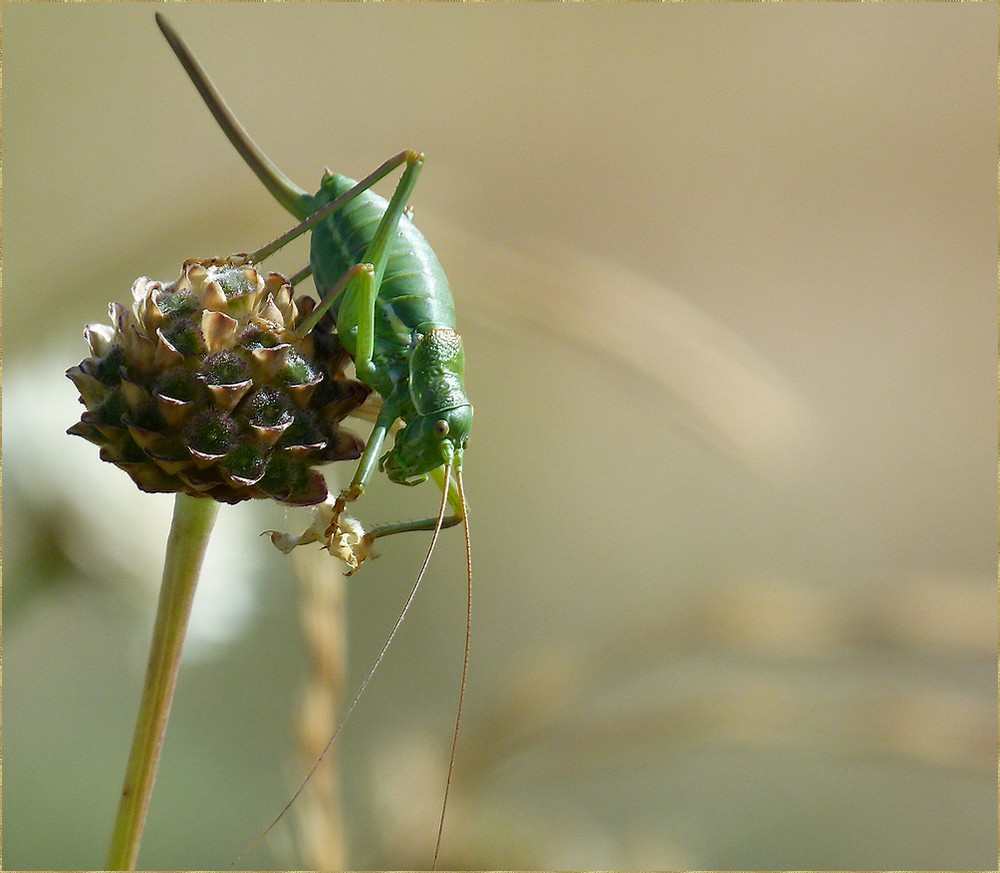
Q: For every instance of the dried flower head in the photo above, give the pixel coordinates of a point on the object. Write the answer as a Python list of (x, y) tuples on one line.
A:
[(349, 541), (204, 386)]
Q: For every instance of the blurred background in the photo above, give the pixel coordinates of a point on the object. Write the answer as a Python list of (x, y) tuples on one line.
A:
[(727, 277)]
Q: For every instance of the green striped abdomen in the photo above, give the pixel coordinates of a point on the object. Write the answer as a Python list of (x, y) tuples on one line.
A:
[(413, 290)]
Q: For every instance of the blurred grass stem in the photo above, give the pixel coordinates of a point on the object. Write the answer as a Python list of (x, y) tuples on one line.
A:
[(324, 627), (190, 529)]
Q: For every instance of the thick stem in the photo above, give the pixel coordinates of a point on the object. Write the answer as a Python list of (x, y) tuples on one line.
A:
[(189, 532)]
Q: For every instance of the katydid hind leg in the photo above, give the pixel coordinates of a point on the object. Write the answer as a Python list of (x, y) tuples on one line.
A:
[(377, 252), (360, 292), (359, 299), (357, 306)]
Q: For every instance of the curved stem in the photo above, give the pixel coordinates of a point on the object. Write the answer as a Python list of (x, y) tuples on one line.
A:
[(189, 532)]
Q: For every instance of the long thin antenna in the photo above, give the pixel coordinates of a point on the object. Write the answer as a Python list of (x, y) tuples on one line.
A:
[(465, 659), (385, 647)]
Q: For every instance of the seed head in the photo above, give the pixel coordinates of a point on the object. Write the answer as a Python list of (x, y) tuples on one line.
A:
[(204, 386)]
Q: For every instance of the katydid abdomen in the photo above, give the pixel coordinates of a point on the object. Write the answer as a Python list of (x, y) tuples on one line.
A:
[(413, 292)]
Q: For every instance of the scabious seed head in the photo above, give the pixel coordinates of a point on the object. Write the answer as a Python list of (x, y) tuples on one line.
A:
[(203, 386)]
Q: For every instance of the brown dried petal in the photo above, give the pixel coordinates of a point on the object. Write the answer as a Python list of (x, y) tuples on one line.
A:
[(148, 478), (100, 338), (268, 436), (213, 297), (139, 350), (269, 362), (198, 483), (282, 294), (302, 452), (135, 395), (345, 446), (226, 397), (176, 413), (147, 311), (171, 463), (242, 481), (219, 330), (91, 390), (313, 492), (112, 432), (88, 432), (121, 318), (301, 394), (271, 313), (194, 275), (142, 288), (148, 440), (166, 355), (205, 459)]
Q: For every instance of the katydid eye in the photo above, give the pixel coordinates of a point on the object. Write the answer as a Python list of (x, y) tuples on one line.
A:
[(441, 428)]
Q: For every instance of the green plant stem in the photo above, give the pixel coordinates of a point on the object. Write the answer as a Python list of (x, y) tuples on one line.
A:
[(190, 529)]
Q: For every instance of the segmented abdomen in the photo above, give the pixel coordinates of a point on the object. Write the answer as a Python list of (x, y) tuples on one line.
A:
[(413, 291)]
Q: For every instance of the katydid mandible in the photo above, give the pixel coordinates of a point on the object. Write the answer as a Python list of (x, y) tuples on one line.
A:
[(383, 285)]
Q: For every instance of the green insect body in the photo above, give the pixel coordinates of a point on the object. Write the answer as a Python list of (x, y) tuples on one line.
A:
[(417, 362), (396, 318), (383, 285)]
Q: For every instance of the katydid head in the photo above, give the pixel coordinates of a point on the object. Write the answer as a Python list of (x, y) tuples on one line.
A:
[(426, 443)]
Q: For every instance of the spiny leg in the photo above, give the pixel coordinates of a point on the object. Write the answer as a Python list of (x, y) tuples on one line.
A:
[(362, 278), (377, 252), (366, 466), (452, 496)]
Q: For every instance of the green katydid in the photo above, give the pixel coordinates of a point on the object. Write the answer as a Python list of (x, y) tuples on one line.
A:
[(380, 280)]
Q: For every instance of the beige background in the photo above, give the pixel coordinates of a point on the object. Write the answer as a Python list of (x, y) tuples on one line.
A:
[(727, 278)]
